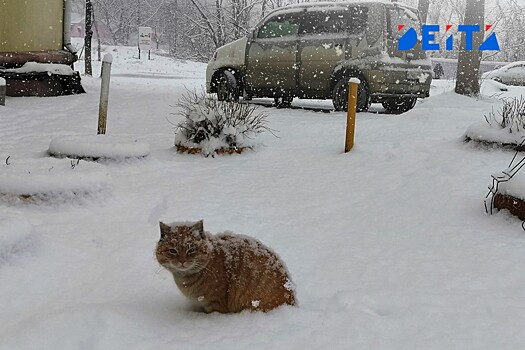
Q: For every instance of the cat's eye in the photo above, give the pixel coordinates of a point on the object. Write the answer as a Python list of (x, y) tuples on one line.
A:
[(191, 251), (173, 251)]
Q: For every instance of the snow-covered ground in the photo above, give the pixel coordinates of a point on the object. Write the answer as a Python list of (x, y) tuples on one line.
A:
[(389, 245)]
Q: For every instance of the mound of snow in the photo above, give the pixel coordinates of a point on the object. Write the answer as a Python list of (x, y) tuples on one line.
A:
[(485, 132), (17, 240), (51, 176), (515, 187), (98, 146), (491, 87), (30, 67)]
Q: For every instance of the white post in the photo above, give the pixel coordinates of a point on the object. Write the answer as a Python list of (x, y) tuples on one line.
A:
[(2, 91), (104, 93)]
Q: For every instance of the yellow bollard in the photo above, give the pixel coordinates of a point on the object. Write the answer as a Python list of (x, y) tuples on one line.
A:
[(350, 114)]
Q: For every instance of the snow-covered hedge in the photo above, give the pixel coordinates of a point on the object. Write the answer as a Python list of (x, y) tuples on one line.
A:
[(212, 126)]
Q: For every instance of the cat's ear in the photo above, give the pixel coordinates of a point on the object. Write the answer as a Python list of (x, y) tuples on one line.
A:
[(164, 230), (199, 227)]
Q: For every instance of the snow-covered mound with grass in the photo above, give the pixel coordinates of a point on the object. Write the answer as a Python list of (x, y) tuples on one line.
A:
[(494, 133), (49, 176), (504, 124), (98, 146)]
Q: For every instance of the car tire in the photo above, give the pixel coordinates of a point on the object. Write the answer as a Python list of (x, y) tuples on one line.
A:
[(340, 96), (227, 87), (399, 104), (283, 101)]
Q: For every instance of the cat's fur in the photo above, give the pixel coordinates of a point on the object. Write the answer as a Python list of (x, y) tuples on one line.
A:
[(225, 272)]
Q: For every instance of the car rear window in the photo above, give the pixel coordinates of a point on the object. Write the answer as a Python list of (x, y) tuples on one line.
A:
[(406, 17)]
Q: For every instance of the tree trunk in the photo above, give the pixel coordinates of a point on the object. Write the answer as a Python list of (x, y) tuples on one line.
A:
[(87, 39), (467, 77), (99, 53), (423, 6)]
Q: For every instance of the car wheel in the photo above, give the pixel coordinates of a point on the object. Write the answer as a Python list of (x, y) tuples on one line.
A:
[(283, 101), (399, 104), (227, 87), (340, 96)]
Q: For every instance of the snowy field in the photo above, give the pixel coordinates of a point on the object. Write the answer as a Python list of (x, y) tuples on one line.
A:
[(389, 245)]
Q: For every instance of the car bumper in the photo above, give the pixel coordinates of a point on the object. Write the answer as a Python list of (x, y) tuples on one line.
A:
[(395, 82), (210, 70)]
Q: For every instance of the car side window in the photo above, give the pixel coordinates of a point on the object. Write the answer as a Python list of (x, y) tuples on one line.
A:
[(278, 27), (357, 20), (351, 21), (322, 22)]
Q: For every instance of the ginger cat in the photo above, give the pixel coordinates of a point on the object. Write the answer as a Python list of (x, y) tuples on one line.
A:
[(226, 272)]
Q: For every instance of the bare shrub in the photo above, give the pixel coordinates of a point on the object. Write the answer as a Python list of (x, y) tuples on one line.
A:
[(511, 116), (213, 125)]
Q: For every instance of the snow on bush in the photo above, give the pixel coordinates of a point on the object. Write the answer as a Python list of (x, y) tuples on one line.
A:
[(17, 240), (213, 126), (506, 127)]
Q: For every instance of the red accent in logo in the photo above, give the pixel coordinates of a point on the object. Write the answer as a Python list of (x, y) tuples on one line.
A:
[(488, 26), (448, 26), (400, 26)]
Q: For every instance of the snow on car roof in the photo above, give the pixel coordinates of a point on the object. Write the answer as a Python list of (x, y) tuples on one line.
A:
[(513, 64), (346, 4), (293, 8)]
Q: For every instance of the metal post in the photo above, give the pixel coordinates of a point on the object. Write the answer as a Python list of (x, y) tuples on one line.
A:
[(104, 93), (350, 114), (3, 89)]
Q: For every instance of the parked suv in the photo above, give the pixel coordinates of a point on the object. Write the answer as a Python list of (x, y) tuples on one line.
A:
[(311, 50)]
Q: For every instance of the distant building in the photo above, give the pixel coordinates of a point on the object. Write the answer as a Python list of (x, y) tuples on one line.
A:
[(78, 28)]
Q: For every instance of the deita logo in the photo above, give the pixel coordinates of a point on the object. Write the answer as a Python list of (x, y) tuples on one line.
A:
[(428, 31)]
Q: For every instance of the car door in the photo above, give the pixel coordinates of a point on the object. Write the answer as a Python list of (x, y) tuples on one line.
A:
[(323, 43), (272, 55)]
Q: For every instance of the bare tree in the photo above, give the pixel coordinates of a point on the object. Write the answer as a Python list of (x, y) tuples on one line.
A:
[(467, 78), (423, 6)]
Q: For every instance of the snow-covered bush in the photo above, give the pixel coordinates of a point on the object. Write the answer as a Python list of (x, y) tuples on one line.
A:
[(212, 126), (511, 116)]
